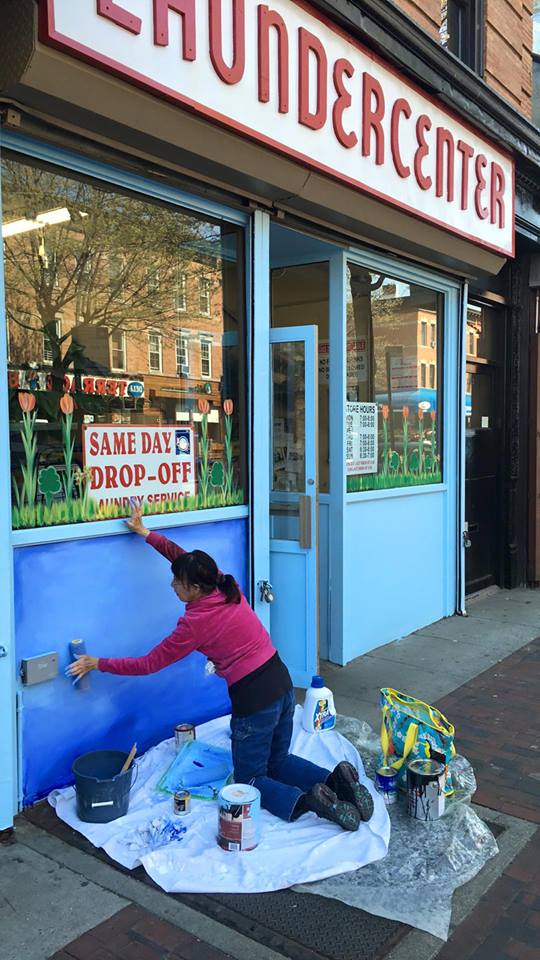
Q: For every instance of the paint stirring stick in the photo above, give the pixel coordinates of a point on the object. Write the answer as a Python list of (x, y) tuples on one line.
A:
[(129, 758)]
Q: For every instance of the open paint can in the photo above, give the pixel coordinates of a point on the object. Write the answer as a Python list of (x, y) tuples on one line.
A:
[(239, 808), (426, 780)]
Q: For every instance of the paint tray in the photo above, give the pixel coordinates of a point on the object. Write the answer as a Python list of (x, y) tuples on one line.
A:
[(200, 768)]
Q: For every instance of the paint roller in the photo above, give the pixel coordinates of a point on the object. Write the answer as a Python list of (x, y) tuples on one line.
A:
[(76, 649)]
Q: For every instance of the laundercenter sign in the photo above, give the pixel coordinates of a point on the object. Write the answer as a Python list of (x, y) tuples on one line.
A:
[(283, 75)]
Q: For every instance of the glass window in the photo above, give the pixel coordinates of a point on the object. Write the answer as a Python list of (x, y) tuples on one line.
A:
[(106, 406), (204, 296), (462, 30), (154, 352), (181, 292), (118, 350), (393, 415), (206, 358), (485, 332), (182, 355), (300, 298), (51, 338)]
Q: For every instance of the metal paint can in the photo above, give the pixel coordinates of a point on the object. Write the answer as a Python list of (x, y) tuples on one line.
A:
[(183, 733), (239, 808), (426, 780), (182, 803), (386, 784)]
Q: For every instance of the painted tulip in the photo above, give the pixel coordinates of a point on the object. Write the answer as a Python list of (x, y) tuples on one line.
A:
[(203, 405), (27, 402), (385, 410), (433, 415), (405, 412), (228, 407), (66, 403), (420, 413)]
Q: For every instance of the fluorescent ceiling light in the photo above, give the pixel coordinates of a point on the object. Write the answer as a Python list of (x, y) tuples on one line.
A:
[(54, 216), (47, 219), (18, 226)]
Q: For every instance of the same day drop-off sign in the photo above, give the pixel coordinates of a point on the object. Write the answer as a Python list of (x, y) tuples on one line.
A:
[(151, 463)]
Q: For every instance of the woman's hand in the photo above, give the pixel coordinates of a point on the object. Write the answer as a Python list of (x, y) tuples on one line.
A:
[(82, 665), (135, 523)]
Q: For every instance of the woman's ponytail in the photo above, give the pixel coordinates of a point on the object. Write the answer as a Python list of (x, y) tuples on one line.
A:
[(199, 569), (227, 585)]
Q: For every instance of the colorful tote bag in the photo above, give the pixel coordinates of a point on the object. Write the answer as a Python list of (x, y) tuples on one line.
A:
[(412, 730)]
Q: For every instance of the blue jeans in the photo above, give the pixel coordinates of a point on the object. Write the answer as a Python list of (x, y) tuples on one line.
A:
[(260, 750)]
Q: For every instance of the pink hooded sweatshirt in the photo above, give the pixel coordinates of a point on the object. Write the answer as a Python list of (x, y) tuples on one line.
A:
[(229, 634)]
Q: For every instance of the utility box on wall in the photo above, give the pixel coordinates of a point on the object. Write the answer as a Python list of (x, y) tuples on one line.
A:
[(38, 669)]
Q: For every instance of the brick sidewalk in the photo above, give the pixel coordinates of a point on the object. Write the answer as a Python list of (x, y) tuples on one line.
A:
[(497, 722), (136, 934)]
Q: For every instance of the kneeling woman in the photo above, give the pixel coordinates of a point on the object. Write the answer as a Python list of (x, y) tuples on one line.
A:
[(219, 622)]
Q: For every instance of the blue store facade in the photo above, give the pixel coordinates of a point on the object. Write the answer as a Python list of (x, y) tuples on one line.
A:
[(266, 354)]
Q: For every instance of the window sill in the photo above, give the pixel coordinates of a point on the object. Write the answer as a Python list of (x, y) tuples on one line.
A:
[(112, 528), (394, 492)]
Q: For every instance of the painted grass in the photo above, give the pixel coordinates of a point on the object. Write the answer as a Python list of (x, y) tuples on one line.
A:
[(390, 481), (79, 511)]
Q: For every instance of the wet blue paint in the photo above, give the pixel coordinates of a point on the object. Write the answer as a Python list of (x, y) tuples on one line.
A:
[(114, 592)]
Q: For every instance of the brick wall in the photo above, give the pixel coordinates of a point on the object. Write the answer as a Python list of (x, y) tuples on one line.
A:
[(427, 13), (507, 44), (508, 50)]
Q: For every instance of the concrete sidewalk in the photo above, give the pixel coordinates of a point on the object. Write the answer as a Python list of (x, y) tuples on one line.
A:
[(52, 894), (433, 662)]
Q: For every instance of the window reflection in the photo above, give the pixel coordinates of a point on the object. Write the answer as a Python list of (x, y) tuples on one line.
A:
[(128, 314), (394, 363)]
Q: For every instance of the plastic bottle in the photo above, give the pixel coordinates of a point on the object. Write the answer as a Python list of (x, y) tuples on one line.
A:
[(319, 711)]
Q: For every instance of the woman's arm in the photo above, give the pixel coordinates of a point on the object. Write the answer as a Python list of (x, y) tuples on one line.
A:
[(166, 547), (174, 647)]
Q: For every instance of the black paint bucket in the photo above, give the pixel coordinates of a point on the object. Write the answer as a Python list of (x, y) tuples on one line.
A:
[(425, 789), (101, 791)]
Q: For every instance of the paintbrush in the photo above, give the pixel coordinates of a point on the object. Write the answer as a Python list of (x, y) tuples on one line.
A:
[(129, 758)]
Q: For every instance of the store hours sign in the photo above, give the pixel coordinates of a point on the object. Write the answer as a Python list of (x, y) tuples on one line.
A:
[(361, 438), (154, 464), (282, 74)]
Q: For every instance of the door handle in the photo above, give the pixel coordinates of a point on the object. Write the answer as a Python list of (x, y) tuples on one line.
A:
[(304, 516), (266, 591)]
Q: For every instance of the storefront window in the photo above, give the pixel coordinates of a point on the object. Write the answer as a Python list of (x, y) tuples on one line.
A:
[(111, 399), (394, 382)]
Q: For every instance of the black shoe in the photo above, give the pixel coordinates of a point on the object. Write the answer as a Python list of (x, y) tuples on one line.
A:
[(344, 781), (323, 801)]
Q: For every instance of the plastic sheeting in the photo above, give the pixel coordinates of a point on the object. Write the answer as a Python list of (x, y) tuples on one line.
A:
[(300, 852), (426, 862)]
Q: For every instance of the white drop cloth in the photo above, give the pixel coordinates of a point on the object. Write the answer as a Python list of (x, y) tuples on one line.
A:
[(289, 853)]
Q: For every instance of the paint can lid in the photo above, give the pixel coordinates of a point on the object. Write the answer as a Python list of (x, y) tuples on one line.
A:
[(317, 681), (239, 793)]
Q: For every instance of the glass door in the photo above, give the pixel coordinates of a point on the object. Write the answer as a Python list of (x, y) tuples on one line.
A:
[(293, 499)]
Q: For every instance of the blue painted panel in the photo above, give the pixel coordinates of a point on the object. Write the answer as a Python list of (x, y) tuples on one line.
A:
[(115, 593), (290, 615), (397, 569)]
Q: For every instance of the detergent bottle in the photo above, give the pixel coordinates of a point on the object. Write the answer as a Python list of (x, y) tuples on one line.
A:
[(319, 710)]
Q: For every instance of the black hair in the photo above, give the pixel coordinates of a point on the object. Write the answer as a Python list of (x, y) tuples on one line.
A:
[(198, 569)]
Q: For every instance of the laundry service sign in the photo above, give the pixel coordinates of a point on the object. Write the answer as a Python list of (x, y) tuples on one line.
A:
[(285, 76)]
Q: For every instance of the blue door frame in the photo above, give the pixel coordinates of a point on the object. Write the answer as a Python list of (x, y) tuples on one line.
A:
[(294, 615)]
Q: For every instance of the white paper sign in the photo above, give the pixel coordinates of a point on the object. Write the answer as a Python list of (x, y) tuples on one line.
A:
[(403, 374), (282, 74), (154, 463), (361, 438)]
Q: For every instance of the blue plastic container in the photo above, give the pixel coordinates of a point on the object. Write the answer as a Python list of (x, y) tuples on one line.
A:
[(101, 791)]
